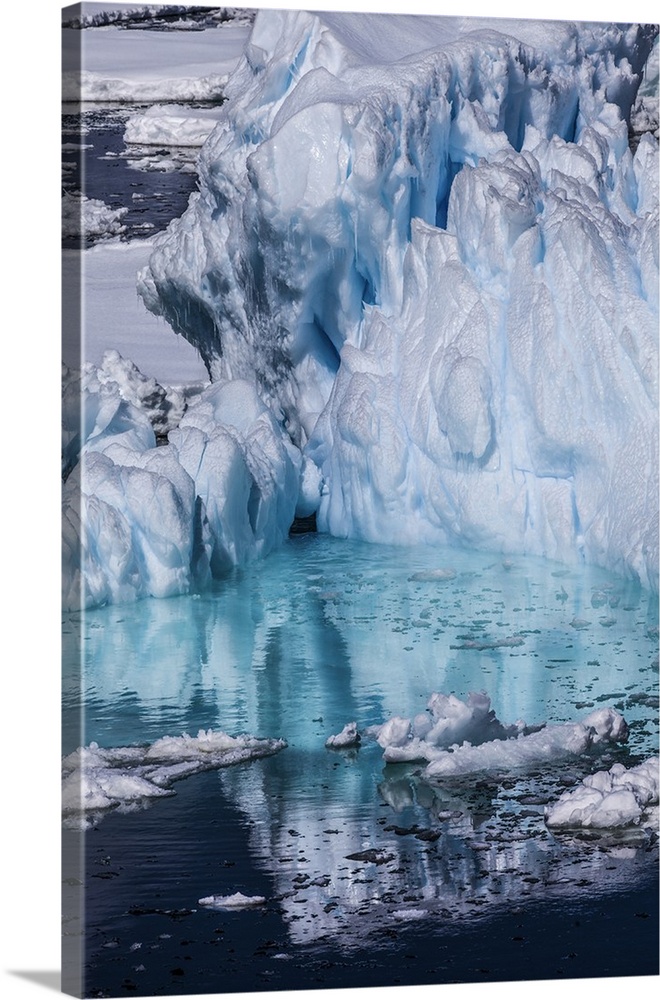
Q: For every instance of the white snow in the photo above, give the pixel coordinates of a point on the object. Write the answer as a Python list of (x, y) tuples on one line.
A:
[(546, 746), (96, 779), (137, 66), (435, 250), (610, 799)]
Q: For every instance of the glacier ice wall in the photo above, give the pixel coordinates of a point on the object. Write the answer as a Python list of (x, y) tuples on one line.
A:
[(436, 254)]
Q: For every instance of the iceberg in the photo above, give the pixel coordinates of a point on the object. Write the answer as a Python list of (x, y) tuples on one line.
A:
[(618, 798), (428, 244)]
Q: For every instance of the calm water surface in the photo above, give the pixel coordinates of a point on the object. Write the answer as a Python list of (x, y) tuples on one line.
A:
[(321, 633)]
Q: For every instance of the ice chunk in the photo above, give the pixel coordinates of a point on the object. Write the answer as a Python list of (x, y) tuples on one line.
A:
[(447, 721), (348, 737), (163, 406), (96, 779), (237, 901), (551, 743), (620, 797), (172, 125)]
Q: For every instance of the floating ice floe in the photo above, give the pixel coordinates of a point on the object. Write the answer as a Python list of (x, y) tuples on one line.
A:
[(97, 780), (545, 746), (237, 901), (348, 737), (437, 251), (172, 125), (620, 797), (446, 721)]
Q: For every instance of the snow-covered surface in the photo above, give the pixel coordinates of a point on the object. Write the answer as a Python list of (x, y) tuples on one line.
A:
[(442, 271), (83, 216), (620, 797), (114, 316), (172, 125), (97, 779), (548, 745), (117, 65)]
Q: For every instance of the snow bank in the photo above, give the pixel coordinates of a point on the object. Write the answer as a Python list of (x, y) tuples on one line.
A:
[(97, 780), (610, 799), (452, 298), (546, 746), (82, 216)]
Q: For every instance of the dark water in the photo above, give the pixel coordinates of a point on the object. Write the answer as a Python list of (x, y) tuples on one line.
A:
[(474, 887), (153, 183)]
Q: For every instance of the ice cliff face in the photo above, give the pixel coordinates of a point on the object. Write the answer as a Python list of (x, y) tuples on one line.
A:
[(433, 250)]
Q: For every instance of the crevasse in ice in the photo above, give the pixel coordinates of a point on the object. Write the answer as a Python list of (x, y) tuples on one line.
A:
[(436, 254)]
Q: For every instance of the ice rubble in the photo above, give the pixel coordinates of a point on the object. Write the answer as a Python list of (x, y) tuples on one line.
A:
[(610, 799), (457, 737), (141, 520), (82, 216), (96, 780), (547, 745), (446, 721), (451, 302)]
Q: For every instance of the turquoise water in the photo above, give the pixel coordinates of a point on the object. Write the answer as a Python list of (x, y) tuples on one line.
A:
[(324, 632)]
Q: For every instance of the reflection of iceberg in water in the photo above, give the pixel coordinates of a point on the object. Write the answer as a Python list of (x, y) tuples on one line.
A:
[(340, 629), (324, 632), (461, 859)]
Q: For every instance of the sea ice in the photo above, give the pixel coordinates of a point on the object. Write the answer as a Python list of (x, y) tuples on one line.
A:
[(545, 746), (82, 216), (120, 65), (620, 797), (348, 737), (96, 779)]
